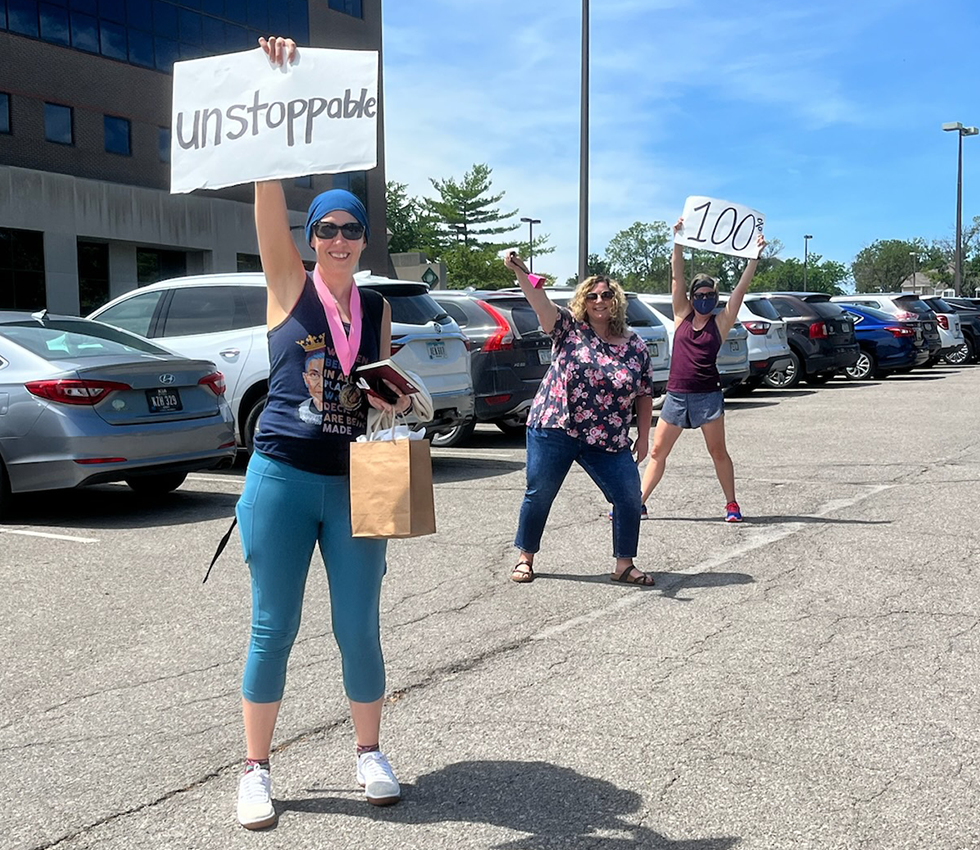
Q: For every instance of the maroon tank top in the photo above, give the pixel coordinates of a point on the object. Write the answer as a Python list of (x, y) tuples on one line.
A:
[(692, 357)]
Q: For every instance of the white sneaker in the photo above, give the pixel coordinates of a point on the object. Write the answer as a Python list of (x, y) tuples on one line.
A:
[(255, 809), (376, 777)]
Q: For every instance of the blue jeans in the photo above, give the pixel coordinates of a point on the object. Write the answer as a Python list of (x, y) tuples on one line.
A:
[(550, 454), (282, 514)]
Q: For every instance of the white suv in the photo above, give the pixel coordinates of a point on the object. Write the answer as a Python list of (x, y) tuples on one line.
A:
[(221, 317)]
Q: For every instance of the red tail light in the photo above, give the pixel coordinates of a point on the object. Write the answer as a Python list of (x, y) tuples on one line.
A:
[(501, 338), (467, 342), (758, 328), (73, 391), (216, 381), (396, 347), (818, 330), (943, 321), (498, 399), (899, 331)]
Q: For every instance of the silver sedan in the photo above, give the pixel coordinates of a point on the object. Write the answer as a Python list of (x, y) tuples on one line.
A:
[(85, 403)]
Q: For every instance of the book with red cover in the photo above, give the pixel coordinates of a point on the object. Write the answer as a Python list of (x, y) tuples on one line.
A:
[(375, 375)]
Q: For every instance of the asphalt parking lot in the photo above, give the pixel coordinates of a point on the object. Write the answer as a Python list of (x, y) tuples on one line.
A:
[(808, 679)]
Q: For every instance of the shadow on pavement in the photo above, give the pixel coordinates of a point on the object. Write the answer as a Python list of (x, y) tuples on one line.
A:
[(740, 404), (446, 470), (775, 519), (554, 806), (665, 583), (790, 393)]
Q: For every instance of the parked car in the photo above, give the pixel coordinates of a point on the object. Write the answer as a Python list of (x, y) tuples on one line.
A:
[(649, 327), (887, 344), (820, 337), (902, 305), (86, 403), (733, 356), (969, 321), (509, 356), (221, 317), (768, 349)]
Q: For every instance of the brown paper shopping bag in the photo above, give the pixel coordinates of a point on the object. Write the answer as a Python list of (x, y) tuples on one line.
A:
[(391, 489)]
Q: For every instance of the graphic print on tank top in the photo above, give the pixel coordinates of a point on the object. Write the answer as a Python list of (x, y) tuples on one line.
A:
[(328, 388)]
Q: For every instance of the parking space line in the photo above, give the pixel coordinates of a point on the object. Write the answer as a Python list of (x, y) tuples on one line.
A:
[(71, 538), (757, 541)]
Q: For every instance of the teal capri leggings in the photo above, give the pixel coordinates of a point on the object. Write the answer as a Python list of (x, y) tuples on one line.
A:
[(282, 513)]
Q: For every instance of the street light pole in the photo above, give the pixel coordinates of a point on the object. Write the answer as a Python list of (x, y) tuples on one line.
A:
[(806, 256), (530, 240), (914, 257), (961, 131), (583, 177)]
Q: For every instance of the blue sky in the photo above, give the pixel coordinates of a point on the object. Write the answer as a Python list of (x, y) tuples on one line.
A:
[(825, 116)]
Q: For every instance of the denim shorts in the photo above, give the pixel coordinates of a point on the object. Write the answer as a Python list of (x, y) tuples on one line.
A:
[(692, 410)]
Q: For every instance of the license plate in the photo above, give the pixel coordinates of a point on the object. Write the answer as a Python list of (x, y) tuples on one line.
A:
[(163, 401), (437, 350), (653, 349), (544, 356), (734, 344)]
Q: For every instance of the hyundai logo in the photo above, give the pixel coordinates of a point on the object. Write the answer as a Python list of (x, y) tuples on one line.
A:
[(167, 379)]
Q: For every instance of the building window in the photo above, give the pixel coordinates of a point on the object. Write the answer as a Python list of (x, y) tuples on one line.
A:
[(22, 17), (21, 269), (54, 25), (153, 264), (58, 124), (354, 182), (348, 7), (163, 141), (249, 263), (93, 275), (4, 113), (116, 135)]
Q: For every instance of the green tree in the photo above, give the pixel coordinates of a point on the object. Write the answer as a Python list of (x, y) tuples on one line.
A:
[(477, 267), (939, 261), (412, 226), (594, 265), (883, 265), (787, 276), (639, 257), (467, 211)]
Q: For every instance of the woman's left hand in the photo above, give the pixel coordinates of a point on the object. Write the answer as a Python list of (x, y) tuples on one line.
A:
[(760, 240), (640, 448)]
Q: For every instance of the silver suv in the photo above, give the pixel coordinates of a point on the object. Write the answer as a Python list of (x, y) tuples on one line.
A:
[(221, 317)]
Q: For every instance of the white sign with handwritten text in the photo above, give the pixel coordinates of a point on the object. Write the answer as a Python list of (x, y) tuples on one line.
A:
[(720, 226)]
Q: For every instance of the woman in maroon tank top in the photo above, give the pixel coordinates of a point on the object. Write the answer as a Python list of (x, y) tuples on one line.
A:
[(694, 398)]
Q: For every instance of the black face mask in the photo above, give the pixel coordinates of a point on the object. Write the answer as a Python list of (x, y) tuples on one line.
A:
[(704, 304)]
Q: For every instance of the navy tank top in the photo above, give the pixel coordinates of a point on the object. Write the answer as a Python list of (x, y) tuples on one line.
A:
[(313, 412), (692, 358)]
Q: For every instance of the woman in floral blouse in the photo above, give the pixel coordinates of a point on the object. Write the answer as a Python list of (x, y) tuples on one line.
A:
[(582, 413)]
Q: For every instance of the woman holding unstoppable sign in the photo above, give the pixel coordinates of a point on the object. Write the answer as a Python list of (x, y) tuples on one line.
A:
[(296, 488), (582, 413), (694, 398)]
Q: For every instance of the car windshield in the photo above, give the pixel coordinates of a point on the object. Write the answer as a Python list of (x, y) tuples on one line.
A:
[(939, 305), (60, 339), (872, 313), (409, 306), (638, 315), (522, 314), (825, 309), (762, 308), (913, 305)]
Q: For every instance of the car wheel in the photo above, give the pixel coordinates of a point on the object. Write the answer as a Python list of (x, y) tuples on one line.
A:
[(4, 492), (252, 422), (963, 354), (820, 378), (156, 485), (511, 427), (864, 368), (788, 377), (457, 436)]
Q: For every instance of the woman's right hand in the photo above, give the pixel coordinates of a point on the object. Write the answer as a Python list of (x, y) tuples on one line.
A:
[(279, 50), (515, 264), (679, 226)]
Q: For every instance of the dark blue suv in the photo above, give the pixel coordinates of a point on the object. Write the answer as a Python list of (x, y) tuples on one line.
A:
[(887, 344)]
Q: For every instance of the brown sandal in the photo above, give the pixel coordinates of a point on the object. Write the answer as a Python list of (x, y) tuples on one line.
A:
[(642, 579), (522, 573)]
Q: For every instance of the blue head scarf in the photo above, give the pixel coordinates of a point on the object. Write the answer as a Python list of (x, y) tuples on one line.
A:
[(336, 199)]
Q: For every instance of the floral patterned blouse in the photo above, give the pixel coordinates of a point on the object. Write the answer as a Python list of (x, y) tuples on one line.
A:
[(590, 387)]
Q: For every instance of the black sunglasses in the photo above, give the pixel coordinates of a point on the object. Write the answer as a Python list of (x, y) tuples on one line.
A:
[(328, 230), (605, 295)]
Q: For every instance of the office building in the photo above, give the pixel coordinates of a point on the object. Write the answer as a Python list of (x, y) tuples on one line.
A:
[(85, 115)]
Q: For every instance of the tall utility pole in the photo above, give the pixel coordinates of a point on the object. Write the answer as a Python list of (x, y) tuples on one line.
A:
[(961, 131), (530, 240), (583, 173)]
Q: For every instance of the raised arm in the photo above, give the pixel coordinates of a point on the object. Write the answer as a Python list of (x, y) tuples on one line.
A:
[(678, 285), (726, 318), (543, 306), (281, 261)]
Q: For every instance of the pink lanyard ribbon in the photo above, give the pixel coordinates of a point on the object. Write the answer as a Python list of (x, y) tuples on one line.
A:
[(345, 346)]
